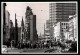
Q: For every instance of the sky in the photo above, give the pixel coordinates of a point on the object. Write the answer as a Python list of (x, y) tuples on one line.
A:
[(40, 9)]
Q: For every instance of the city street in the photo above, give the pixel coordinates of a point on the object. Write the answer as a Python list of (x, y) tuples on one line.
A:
[(39, 28), (37, 50)]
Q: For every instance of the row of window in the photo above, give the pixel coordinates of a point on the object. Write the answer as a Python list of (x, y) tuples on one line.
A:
[(64, 23)]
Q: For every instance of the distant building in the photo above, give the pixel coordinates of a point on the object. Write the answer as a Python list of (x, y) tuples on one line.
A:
[(30, 26), (16, 32), (23, 39), (4, 24), (48, 24), (27, 22), (19, 34), (6, 36), (11, 24), (7, 21), (47, 32), (11, 31), (33, 31)]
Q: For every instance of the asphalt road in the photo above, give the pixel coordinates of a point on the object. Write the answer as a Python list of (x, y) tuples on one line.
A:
[(25, 50), (37, 50)]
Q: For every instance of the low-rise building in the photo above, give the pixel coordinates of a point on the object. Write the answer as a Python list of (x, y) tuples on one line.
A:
[(73, 27), (57, 31)]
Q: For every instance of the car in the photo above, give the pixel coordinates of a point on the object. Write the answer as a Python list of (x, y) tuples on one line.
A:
[(4, 48)]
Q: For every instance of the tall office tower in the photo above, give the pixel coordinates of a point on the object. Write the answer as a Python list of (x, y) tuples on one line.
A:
[(33, 32), (6, 35), (62, 11), (30, 25), (27, 21)]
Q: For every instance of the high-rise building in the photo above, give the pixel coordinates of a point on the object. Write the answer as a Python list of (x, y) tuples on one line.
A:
[(6, 27), (33, 32), (61, 11), (30, 25), (7, 21), (27, 22), (16, 32)]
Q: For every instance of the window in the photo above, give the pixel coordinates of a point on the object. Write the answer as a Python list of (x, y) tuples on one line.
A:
[(62, 23)]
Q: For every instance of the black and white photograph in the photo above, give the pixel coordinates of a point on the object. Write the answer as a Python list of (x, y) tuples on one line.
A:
[(39, 27)]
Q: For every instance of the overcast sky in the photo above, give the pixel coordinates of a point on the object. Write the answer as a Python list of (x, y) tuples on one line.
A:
[(41, 10)]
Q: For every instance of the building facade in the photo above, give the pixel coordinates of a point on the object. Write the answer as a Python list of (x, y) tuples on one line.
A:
[(16, 32), (30, 25), (7, 21), (27, 22), (23, 39), (11, 30), (4, 24), (6, 28), (33, 31), (57, 31), (73, 27), (60, 12), (61, 30)]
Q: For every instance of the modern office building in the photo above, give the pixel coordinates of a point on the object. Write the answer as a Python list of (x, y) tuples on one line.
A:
[(27, 22), (62, 11), (6, 27), (30, 25), (33, 32)]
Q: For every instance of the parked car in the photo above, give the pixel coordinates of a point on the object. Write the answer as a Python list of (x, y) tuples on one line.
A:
[(4, 48)]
